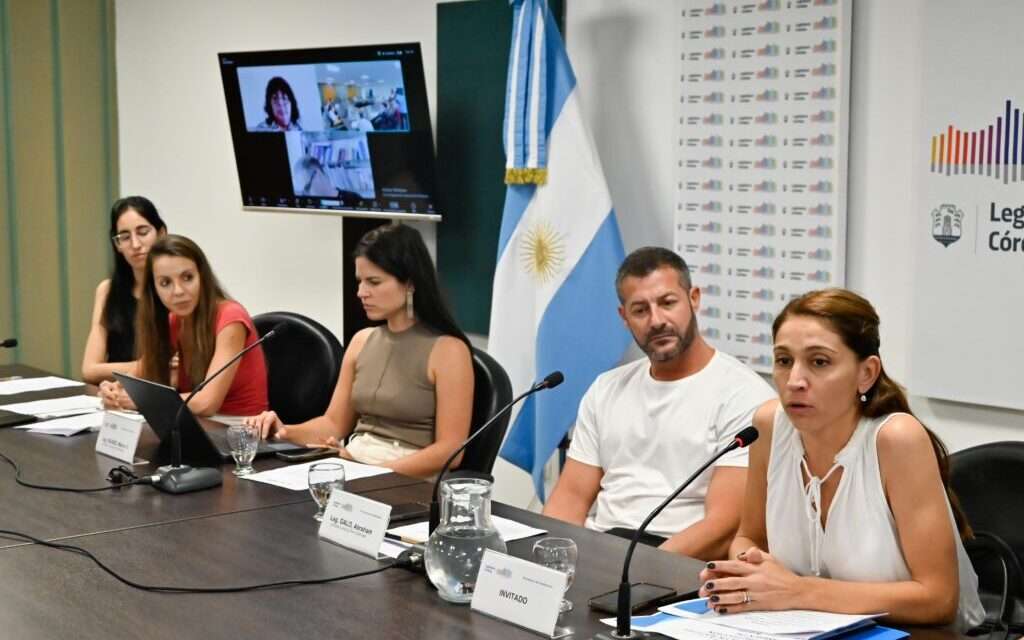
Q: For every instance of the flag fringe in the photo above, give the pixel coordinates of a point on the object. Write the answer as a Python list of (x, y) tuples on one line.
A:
[(526, 175)]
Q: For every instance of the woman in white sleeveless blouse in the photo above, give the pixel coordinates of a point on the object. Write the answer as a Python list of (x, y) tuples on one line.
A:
[(848, 507)]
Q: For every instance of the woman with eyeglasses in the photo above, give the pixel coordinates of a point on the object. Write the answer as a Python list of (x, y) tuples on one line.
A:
[(135, 225)]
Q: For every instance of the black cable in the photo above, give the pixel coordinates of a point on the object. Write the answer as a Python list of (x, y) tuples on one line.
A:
[(163, 589), (125, 472)]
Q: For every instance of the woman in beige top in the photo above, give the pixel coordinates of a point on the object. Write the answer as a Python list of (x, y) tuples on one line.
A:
[(405, 391)]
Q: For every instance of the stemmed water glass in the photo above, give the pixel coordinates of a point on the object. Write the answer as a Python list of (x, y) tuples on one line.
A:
[(559, 554), (325, 477), (243, 440)]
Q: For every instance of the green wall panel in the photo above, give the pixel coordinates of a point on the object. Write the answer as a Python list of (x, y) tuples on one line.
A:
[(473, 41), (58, 175)]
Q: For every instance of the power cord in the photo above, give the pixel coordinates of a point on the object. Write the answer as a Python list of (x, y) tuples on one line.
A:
[(164, 589), (121, 476)]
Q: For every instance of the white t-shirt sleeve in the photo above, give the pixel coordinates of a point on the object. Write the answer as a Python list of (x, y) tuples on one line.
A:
[(585, 446), (737, 414)]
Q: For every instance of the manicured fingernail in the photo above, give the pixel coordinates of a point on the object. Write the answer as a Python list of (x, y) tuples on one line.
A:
[(709, 586), (711, 565), (714, 598), (723, 610)]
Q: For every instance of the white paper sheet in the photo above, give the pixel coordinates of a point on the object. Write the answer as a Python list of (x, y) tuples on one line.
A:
[(790, 623), (509, 529), (691, 629), (294, 476), (23, 385), (392, 548), (66, 426), (228, 420), (57, 407)]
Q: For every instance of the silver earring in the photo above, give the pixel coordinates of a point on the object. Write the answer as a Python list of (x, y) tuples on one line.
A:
[(408, 303), (863, 397)]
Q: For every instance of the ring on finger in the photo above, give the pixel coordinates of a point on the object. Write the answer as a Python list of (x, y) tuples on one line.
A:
[(746, 597)]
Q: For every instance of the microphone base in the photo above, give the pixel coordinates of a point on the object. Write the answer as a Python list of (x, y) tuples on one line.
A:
[(185, 479), (412, 560), (612, 635)]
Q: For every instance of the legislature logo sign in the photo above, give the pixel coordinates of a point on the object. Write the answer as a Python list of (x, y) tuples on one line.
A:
[(947, 224)]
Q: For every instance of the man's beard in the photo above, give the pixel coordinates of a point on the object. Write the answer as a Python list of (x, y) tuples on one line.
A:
[(683, 342)]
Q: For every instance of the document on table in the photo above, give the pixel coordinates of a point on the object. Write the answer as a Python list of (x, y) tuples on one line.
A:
[(294, 476), (393, 548), (228, 420), (57, 407), (23, 385), (510, 530), (788, 623), (697, 629), (66, 426)]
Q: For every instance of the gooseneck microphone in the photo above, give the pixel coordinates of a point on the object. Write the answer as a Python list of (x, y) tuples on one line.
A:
[(179, 478), (624, 609), (550, 381), (9, 343)]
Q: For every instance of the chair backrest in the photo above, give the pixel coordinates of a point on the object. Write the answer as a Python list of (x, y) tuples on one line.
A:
[(492, 391), (302, 365), (986, 479)]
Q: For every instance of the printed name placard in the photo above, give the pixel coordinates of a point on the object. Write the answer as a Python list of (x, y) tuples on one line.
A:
[(119, 435), (355, 522), (519, 591)]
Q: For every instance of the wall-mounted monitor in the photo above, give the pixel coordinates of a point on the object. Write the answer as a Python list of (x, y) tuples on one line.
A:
[(342, 130)]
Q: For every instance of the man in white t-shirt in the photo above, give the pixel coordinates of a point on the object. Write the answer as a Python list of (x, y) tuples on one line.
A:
[(644, 427)]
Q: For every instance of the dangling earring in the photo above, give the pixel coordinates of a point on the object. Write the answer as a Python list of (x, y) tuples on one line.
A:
[(408, 303), (863, 397)]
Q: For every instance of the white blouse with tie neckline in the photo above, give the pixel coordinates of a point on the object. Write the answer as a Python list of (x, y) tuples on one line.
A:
[(860, 542)]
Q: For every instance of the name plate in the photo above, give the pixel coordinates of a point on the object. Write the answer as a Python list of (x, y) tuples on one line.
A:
[(119, 435), (519, 591), (355, 522)]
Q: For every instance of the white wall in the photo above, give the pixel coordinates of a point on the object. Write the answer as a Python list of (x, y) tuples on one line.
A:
[(175, 143), (624, 55)]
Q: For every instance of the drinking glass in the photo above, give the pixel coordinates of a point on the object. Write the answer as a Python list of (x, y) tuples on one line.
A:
[(324, 477), (559, 554), (243, 440)]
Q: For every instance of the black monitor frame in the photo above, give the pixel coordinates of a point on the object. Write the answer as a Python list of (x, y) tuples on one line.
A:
[(401, 161)]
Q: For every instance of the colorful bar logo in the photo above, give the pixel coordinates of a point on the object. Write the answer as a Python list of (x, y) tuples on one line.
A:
[(994, 151)]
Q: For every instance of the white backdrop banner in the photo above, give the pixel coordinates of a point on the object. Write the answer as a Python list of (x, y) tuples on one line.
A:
[(969, 205), (761, 160)]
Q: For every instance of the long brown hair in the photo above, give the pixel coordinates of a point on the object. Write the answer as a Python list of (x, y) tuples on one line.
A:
[(196, 335), (855, 321)]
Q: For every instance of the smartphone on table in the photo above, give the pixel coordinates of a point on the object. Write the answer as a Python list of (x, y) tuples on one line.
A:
[(306, 454), (409, 511), (642, 595)]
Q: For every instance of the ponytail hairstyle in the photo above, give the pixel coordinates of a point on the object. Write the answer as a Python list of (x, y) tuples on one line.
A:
[(399, 250), (196, 335), (856, 322), (118, 316)]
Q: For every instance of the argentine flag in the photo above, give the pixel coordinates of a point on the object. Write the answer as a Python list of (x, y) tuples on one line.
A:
[(554, 302)]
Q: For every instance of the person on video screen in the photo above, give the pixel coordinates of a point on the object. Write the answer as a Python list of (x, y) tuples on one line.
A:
[(280, 106), (314, 181)]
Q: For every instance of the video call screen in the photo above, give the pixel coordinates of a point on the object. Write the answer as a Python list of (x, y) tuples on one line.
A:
[(345, 129)]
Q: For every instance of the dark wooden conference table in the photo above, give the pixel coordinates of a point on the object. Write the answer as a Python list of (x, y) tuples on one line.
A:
[(241, 533)]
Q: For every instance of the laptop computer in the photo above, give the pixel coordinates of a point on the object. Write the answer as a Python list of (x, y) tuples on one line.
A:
[(200, 446)]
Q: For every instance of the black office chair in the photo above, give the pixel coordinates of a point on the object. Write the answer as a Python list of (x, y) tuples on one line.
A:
[(986, 479), (302, 365), (492, 391)]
